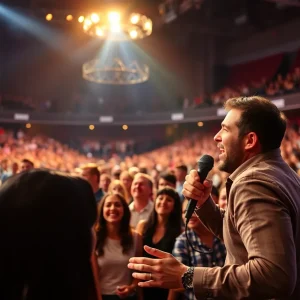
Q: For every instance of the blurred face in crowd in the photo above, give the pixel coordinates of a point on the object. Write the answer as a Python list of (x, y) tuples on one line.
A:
[(118, 189), (104, 182), (113, 210), (164, 205), (194, 222), (223, 198), (4, 164), (140, 188), (127, 181), (230, 145), (15, 168), (180, 174), (163, 183), (86, 174), (25, 166)]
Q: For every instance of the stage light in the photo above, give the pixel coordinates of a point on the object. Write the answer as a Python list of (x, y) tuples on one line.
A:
[(87, 24), (109, 25), (114, 17), (81, 19), (91, 127), (134, 19), (95, 18), (28, 125), (49, 17), (99, 31), (200, 124), (133, 34), (69, 18), (125, 127), (115, 28), (148, 25)]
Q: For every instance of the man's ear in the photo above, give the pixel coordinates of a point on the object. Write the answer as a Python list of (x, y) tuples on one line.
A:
[(251, 141)]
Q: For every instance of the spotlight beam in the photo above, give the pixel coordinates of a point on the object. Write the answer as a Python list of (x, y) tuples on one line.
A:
[(30, 25)]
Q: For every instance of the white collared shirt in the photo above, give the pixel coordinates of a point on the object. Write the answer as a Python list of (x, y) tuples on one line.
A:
[(143, 214)]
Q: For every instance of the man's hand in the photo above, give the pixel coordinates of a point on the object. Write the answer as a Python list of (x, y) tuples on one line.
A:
[(164, 272), (194, 189)]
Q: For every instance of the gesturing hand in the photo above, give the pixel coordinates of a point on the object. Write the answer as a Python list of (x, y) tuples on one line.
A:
[(165, 271)]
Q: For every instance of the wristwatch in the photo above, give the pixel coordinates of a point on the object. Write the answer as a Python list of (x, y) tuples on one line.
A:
[(187, 278)]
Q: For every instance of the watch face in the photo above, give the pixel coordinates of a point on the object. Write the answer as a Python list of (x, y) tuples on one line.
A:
[(190, 281), (187, 278)]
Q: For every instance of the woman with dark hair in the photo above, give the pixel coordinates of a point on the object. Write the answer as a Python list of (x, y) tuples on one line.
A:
[(161, 230), (116, 243), (46, 222)]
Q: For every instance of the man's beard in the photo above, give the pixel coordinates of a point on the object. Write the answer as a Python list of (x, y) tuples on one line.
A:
[(224, 166), (229, 165)]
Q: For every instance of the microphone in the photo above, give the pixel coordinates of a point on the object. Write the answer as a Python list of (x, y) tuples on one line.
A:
[(205, 164)]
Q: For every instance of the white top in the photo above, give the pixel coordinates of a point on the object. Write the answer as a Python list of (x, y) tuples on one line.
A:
[(137, 216), (113, 266)]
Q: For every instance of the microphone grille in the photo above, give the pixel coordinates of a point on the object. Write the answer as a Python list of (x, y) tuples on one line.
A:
[(207, 160)]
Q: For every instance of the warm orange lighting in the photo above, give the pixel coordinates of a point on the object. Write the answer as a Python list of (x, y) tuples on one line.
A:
[(28, 125), (114, 17), (134, 19), (95, 18), (148, 25), (115, 28), (69, 18), (91, 127), (49, 17), (200, 124), (81, 19), (133, 34), (112, 25), (99, 31), (125, 127)]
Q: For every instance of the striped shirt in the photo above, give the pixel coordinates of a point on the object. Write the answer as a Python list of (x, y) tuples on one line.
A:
[(185, 254)]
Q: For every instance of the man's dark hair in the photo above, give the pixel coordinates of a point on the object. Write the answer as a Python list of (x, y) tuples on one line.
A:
[(261, 116), (27, 161), (168, 177), (45, 226), (93, 170), (182, 168)]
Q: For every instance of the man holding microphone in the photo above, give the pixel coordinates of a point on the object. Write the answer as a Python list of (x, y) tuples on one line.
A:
[(261, 225)]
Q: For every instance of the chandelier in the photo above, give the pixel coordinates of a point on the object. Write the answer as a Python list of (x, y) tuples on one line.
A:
[(113, 25), (115, 72)]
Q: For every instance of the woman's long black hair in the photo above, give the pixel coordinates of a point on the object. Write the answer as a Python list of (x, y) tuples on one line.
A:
[(45, 231), (173, 226)]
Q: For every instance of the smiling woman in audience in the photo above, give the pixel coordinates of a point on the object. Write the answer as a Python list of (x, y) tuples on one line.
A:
[(161, 230), (116, 243)]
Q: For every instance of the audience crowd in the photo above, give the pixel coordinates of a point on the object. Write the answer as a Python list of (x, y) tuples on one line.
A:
[(139, 202), (269, 87)]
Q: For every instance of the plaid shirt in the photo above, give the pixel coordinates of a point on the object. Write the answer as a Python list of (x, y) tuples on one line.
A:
[(184, 253)]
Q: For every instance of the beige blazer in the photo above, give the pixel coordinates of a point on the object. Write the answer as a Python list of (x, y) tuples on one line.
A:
[(261, 231)]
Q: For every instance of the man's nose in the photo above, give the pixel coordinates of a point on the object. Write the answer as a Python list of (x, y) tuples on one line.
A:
[(217, 137)]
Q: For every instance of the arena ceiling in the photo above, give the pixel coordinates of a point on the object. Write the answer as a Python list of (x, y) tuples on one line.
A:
[(227, 18)]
